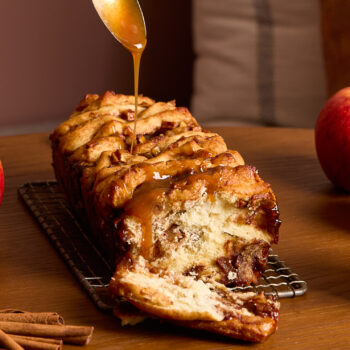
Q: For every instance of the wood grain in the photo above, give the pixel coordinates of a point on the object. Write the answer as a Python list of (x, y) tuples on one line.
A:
[(314, 241)]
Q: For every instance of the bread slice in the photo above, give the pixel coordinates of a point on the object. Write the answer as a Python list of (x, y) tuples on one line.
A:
[(182, 218), (192, 303)]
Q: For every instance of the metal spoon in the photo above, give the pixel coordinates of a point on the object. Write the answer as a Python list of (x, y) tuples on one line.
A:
[(124, 19)]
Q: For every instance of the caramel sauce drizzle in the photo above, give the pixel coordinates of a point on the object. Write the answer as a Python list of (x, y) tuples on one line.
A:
[(125, 21), (145, 204)]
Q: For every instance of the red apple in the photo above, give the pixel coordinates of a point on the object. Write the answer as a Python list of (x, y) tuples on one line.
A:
[(2, 182), (332, 137)]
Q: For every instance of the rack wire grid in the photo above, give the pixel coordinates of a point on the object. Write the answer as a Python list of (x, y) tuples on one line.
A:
[(50, 208)]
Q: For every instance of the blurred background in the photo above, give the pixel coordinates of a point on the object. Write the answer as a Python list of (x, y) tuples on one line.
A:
[(233, 62)]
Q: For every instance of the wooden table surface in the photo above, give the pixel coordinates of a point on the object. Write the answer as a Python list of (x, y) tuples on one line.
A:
[(314, 242)]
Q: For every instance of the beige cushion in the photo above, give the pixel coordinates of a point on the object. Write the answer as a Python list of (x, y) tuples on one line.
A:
[(258, 62)]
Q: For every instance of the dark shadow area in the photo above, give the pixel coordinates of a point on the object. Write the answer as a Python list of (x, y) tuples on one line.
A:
[(334, 208), (159, 330), (166, 70)]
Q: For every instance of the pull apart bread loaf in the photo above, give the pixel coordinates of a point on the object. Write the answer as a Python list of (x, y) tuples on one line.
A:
[(181, 218)]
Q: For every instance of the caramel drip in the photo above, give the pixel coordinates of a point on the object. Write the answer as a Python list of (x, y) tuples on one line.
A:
[(137, 60), (125, 21), (145, 204)]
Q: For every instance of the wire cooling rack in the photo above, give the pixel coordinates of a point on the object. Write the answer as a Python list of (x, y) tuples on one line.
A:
[(50, 208)]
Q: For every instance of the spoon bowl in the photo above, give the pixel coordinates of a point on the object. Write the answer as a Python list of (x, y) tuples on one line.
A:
[(124, 19)]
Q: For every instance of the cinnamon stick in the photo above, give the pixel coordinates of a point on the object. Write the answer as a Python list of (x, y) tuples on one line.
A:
[(78, 340), (32, 343), (69, 334), (8, 343), (30, 317), (43, 340)]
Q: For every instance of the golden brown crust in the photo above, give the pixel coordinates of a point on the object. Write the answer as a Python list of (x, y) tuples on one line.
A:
[(180, 210)]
